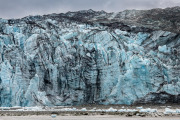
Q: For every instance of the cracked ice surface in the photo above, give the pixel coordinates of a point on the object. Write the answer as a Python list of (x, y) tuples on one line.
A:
[(55, 63)]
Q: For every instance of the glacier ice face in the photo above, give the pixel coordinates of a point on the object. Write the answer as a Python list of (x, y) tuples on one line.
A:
[(50, 62)]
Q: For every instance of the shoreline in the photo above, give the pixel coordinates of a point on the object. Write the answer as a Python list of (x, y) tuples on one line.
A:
[(165, 110), (85, 113), (95, 117)]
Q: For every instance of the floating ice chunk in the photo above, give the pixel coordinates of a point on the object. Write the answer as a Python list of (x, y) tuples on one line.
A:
[(139, 107), (37, 108), (53, 115), (122, 110), (83, 109), (93, 110), (131, 110), (20, 110), (74, 109), (127, 110), (99, 110), (148, 110), (69, 109), (111, 110), (177, 110), (16, 107), (5, 108), (169, 111)]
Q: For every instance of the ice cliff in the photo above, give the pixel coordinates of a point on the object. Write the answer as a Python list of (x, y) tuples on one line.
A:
[(91, 57)]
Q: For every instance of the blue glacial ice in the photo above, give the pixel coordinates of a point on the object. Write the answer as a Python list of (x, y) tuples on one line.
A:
[(53, 63)]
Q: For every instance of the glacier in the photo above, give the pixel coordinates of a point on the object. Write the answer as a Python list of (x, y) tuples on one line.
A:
[(85, 57)]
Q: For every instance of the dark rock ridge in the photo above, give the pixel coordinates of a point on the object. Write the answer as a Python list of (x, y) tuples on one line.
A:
[(88, 57)]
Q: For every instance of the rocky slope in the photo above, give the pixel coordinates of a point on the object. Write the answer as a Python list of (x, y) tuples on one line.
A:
[(88, 57)]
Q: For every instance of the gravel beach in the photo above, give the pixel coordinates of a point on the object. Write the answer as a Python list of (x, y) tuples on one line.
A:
[(105, 117)]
